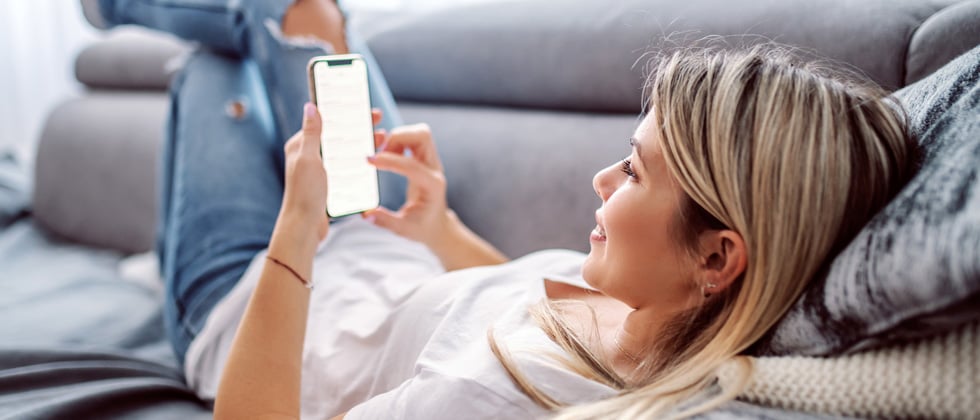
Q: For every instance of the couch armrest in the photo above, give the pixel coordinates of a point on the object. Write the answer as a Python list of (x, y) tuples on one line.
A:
[(131, 58), (96, 170)]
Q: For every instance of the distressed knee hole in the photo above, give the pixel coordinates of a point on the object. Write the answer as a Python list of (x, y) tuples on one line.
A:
[(236, 109)]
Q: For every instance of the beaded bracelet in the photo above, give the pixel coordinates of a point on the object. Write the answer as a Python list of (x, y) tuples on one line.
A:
[(308, 284)]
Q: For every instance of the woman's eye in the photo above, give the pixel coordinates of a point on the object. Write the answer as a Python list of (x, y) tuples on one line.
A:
[(627, 168)]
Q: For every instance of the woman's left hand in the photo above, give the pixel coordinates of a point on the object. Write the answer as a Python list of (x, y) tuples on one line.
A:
[(305, 197), (304, 202)]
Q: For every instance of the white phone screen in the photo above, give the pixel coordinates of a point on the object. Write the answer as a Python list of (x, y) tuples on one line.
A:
[(347, 139)]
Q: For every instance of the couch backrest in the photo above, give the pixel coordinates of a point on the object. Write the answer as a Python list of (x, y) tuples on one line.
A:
[(499, 58), (589, 54), (521, 177)]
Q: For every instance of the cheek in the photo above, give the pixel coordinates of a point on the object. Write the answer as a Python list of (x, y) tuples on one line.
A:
[(637, 222), (641, 263), (635, 243)]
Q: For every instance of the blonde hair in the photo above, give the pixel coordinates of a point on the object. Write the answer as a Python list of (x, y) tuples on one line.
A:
[(794, 157)]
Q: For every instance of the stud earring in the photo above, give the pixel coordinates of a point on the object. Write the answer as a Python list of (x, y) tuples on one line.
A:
[(706, 287)]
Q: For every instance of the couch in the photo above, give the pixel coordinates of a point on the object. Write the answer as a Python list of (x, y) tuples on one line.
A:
[(526, 100)]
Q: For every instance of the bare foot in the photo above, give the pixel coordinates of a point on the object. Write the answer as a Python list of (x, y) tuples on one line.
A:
[(318, 18)]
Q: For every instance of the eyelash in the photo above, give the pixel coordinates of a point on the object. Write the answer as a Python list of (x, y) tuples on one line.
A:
[(627, 168)]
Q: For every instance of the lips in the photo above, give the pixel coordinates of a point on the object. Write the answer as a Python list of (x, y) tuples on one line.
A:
[(599, 233)]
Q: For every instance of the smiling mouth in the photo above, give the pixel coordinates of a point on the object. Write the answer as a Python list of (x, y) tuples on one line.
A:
[(598, 234)]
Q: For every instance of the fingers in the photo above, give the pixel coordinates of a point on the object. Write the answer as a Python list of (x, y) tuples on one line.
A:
[(384, 218), (380, 139), (410, 167), (376, 116), (418, 139)]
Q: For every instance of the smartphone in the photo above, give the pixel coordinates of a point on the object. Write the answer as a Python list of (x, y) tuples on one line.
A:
[(339, 88)]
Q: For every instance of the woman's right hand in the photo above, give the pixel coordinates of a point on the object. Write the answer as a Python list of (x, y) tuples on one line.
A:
[(424, 217)]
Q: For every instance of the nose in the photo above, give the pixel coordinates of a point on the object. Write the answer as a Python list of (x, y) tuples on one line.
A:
[(604, 182)]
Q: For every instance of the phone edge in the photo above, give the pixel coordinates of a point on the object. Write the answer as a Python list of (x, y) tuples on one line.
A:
[(312, 94)]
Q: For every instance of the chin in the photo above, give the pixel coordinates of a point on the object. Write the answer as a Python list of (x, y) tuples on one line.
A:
[(591, 272)]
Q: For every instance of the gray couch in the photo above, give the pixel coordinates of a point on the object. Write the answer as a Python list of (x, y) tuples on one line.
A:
[(527, 100), (518, 82)]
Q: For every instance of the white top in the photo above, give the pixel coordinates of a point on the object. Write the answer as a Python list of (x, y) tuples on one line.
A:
[(391, 335)]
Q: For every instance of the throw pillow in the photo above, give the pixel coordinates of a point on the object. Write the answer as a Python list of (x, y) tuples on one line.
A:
[(914, 270)]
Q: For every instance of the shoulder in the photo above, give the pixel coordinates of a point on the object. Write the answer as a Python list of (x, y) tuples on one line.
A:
[(471, 365)]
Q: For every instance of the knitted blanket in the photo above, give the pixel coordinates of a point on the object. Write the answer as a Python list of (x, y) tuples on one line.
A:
[(931, 378)]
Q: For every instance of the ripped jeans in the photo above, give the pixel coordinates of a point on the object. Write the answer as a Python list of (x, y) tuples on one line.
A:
[(235, 102)]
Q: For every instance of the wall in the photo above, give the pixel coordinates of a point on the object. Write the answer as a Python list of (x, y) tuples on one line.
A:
[(38, 43)]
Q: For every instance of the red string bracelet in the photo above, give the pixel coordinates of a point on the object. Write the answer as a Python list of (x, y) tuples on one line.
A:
[(308, 284)]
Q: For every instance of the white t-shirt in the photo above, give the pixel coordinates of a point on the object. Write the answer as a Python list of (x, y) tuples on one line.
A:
[(391, 335)]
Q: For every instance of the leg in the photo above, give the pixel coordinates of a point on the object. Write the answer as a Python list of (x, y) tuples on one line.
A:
[(251, 28), (221, 187), (218, 24)]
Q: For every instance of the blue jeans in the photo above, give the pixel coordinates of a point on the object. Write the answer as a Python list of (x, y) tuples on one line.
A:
[(222, 169)]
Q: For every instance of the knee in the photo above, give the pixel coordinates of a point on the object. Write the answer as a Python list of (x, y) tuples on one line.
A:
[(211, 86), (320, 19)]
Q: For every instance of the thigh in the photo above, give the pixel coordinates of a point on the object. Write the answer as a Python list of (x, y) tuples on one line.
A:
[(222, 187)]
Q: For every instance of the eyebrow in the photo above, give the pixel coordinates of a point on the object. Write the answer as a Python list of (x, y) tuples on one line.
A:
[(636, 144)]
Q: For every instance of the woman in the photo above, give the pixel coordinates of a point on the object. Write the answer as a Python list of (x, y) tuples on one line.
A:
[(746, 175)]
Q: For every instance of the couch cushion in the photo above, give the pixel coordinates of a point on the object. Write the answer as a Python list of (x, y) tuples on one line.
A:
[(914, 270), (523, 179), (589, 54), (96, 169)]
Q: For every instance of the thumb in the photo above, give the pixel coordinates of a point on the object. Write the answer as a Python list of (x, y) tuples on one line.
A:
[(384, 218), (311, 127)]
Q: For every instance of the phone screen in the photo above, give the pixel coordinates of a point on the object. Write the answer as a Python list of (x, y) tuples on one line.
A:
[(340, 88)]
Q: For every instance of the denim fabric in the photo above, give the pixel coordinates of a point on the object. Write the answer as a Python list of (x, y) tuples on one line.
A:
[(222, 172)]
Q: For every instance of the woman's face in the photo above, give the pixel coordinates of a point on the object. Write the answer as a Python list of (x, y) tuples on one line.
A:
[(635, 257)]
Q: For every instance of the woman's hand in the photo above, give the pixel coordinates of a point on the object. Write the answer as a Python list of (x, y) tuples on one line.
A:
[(424, 217), (305, 196)]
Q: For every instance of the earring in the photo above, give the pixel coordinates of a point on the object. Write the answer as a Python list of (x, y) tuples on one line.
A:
[(706, 287)]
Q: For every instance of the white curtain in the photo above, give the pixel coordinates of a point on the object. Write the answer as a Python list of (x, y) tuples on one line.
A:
[(38, 43)]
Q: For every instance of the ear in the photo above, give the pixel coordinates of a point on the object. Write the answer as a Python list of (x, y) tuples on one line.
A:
[(722, 260)]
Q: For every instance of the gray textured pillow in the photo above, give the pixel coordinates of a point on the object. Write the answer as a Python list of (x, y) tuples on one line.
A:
[(914, 270)]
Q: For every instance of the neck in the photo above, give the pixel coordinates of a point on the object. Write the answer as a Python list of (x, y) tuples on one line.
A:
[(634, 340)]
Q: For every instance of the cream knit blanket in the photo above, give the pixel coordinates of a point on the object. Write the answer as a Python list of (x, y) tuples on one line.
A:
[(933, 378)]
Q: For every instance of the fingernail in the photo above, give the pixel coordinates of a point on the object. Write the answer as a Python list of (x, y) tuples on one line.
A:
[(370, 158), (370, 219), (309, 109)]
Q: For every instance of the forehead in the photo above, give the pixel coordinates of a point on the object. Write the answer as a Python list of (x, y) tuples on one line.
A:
[(646, 133)]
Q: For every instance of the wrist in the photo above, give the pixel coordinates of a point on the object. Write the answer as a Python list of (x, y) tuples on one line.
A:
[(298, 231), (294, 245), (447, 233), (459, 247)]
